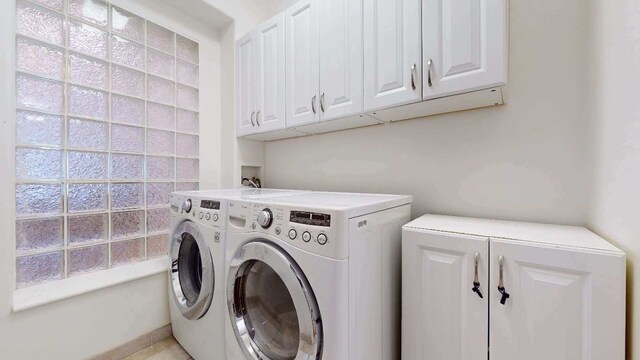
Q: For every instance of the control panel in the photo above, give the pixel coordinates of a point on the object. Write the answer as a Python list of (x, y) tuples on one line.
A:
[(208, 211)]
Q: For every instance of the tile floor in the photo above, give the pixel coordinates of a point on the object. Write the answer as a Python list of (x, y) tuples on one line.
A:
[(167, 349)]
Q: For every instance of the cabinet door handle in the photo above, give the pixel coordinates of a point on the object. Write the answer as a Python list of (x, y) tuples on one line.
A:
[(313, 104), (501, 289), (413, 76), (322, 102), (258, 118), (476, 279), (253, 113), (429, 66)]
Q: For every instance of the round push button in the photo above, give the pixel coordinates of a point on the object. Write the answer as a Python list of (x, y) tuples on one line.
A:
[(292, 234), (207, 216), (306, 236), (322, 239), (201, 215), (278, 231), (215, 217)]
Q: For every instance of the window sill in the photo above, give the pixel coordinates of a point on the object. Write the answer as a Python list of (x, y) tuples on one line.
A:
[(38, 295)]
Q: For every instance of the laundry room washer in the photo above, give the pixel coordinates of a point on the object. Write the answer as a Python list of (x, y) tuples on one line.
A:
[(315, 276), (197, 300)]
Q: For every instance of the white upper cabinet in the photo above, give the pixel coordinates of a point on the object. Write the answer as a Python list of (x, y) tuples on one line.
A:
[(439, 272), (563, 303), (341, 61), (269, 69), (245, 84), (392, 53), (302, 78), (464, 46), (260, 87)]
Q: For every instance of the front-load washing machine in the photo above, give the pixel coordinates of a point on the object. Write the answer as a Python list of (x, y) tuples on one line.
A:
[(197, 300), (314, 276)]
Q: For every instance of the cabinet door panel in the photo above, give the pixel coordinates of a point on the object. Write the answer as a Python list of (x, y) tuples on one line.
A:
[(270, 68), (466, 43), (341, 59), (302, 79), (392, 53), (562, 305), (442, 318), (245, 83)]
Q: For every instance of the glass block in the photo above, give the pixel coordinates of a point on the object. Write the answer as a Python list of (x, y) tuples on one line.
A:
[(127, 138), (160, 38), (187, 121), (127, 81), (127, 167), (187, 49), (157, 245), (88, 102), (88, 134), (161, 116), (159, 194), (87, 228), (39, 23), (39, 94), (38, 129), (38, 164), (127, 24), (38, 199), (160, 90), (39, 58), (128, 223), (127, 52), (87, 197), (187, 186), (38, 268), (87, 165), (158, 220), (88, 259), (127, 195), (187, 145), (188, 97), (160, 168), (84, 70), (126, 252), (187, 169), (160, 142), (54, 4), (94, 11), (87, 39), (161, 64), (188, 73), (39, 234), (127, 110)]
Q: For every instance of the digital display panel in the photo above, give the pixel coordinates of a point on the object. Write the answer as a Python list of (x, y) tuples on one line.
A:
[(310, 218), (210, 204)]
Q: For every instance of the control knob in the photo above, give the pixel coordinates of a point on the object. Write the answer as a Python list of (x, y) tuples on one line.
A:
[(186, 205), (265, 218)]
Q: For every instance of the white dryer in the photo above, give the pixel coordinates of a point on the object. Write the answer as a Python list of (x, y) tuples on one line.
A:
[(315, 276), (197, 300)]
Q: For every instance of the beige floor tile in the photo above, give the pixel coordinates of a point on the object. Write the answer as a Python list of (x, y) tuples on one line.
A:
[(167, 349)]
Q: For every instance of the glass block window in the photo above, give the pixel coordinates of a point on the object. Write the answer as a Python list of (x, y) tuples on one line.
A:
[(106, 128)]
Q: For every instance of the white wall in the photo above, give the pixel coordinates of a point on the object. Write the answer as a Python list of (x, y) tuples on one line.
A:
[(615, 141), (95, 322), (524, 160)]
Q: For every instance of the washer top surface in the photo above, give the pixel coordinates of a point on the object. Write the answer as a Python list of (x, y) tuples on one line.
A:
[(239, 194), (355, 204)]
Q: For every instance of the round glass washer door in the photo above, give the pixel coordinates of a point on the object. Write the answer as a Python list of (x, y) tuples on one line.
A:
[(273, 310), (192, 271)]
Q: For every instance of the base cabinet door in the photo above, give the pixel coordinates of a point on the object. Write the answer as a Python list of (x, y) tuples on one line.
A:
[(562, 304), (245, 84), (269, 70), (302, 78), (442, 317), (392, 53), (340, 40), (464, 45)]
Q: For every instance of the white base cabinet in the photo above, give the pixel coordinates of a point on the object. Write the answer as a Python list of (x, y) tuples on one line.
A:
[(478, 289)]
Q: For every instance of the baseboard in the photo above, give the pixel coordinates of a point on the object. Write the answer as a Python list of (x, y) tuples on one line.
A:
[(136, 344)]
